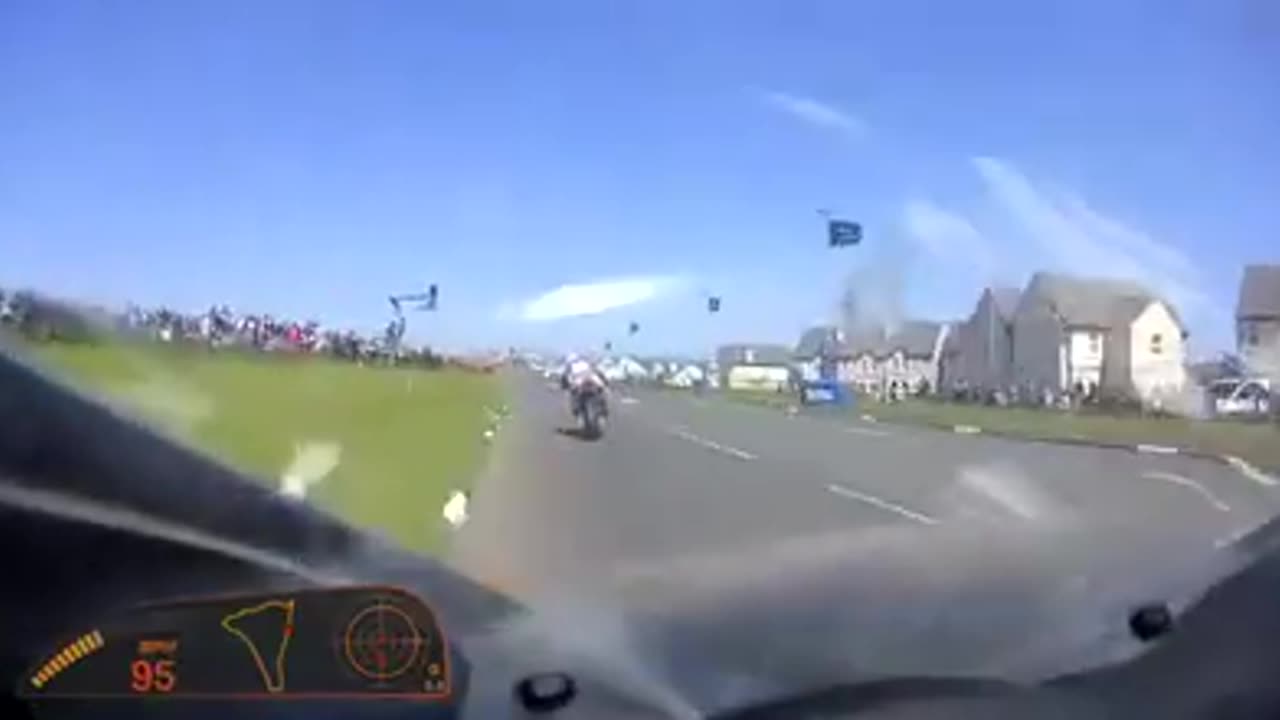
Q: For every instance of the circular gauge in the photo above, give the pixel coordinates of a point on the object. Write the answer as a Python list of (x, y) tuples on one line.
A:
[(382, 642)]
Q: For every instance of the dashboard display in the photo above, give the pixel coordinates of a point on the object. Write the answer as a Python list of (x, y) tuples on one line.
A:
[(355, 642)]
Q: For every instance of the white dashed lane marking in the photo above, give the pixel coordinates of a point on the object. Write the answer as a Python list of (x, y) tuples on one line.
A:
[(895, 508), (712, 444), (868, 432)]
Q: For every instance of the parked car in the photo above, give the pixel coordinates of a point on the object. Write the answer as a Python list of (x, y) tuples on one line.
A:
[(1241, 396)]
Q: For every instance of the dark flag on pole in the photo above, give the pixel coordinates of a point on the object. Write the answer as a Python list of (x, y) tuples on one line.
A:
[(843, 233), (713, 304)]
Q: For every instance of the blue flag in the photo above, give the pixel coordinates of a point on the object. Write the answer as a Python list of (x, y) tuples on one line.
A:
[(842, 233)]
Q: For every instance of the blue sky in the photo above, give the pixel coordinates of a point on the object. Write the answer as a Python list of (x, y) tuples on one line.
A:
[(309, 157)]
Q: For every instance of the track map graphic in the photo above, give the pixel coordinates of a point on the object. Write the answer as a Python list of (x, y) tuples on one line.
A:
[(265, 629)]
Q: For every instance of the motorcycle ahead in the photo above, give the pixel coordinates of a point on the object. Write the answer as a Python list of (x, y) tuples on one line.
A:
[(591, 410)]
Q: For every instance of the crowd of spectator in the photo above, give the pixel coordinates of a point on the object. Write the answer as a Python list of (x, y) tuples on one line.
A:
[(219, 327)]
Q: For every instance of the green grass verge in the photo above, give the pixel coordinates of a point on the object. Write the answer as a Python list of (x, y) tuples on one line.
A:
[(407, 436), (1258, 443)]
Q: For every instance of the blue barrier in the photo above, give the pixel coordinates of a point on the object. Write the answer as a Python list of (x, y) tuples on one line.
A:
[(825, 392)]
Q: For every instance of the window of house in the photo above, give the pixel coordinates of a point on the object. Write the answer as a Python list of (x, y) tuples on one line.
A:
[(1157, 343), (1251, 335), (1095, 343)]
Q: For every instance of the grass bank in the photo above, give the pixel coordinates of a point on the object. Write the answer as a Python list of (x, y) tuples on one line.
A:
[(1258, 443), (406, 436)]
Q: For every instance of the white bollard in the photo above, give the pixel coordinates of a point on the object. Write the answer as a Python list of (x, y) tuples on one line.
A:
[(311, 463), (455, 509)]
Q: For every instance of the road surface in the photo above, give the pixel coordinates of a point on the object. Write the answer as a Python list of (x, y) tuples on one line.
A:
[(678, 475)]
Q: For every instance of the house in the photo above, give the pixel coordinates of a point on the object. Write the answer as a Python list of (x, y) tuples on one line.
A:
[(691, 375), (1258, 321), (979, 353), (823, 354), (915, 356), (1075, 334), (896, 361), (661, 369), (623, 369), (755, 367)]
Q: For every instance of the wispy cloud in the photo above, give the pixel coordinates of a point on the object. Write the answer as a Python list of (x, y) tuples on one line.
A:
[(1068, 234), (815, 112), (948, 237), (593, 298), (1028, 225)]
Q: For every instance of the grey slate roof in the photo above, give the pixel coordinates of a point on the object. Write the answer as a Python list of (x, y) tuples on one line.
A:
[(1091, 302), (1126, 310), (1006, 301), (821, 341), (914, 338), (1259, 292), (1081, 301), (752, 354)]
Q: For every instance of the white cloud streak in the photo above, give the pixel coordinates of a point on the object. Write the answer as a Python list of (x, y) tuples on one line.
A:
[(593, 298), (1068, 234), (815, 112), (950, 238), (1029, 226)]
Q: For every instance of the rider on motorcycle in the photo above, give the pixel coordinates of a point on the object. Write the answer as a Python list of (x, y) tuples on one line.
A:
[(580, 374)]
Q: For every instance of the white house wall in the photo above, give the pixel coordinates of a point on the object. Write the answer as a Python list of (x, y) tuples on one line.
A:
[(918, 371), (1086, 349), (758, 377), (863, 372), (1162, 373)]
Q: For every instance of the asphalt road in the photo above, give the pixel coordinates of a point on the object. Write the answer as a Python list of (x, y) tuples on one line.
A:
[(678, 476)]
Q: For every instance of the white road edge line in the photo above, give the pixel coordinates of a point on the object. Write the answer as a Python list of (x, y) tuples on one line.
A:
[(882, 504), (712, 445), (865, 431), (1238, 535), (1190, 485), (1250, 471), (1156, 449)]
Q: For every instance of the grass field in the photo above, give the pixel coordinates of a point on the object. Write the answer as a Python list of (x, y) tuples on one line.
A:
[(1258, 443), (406, 436)]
